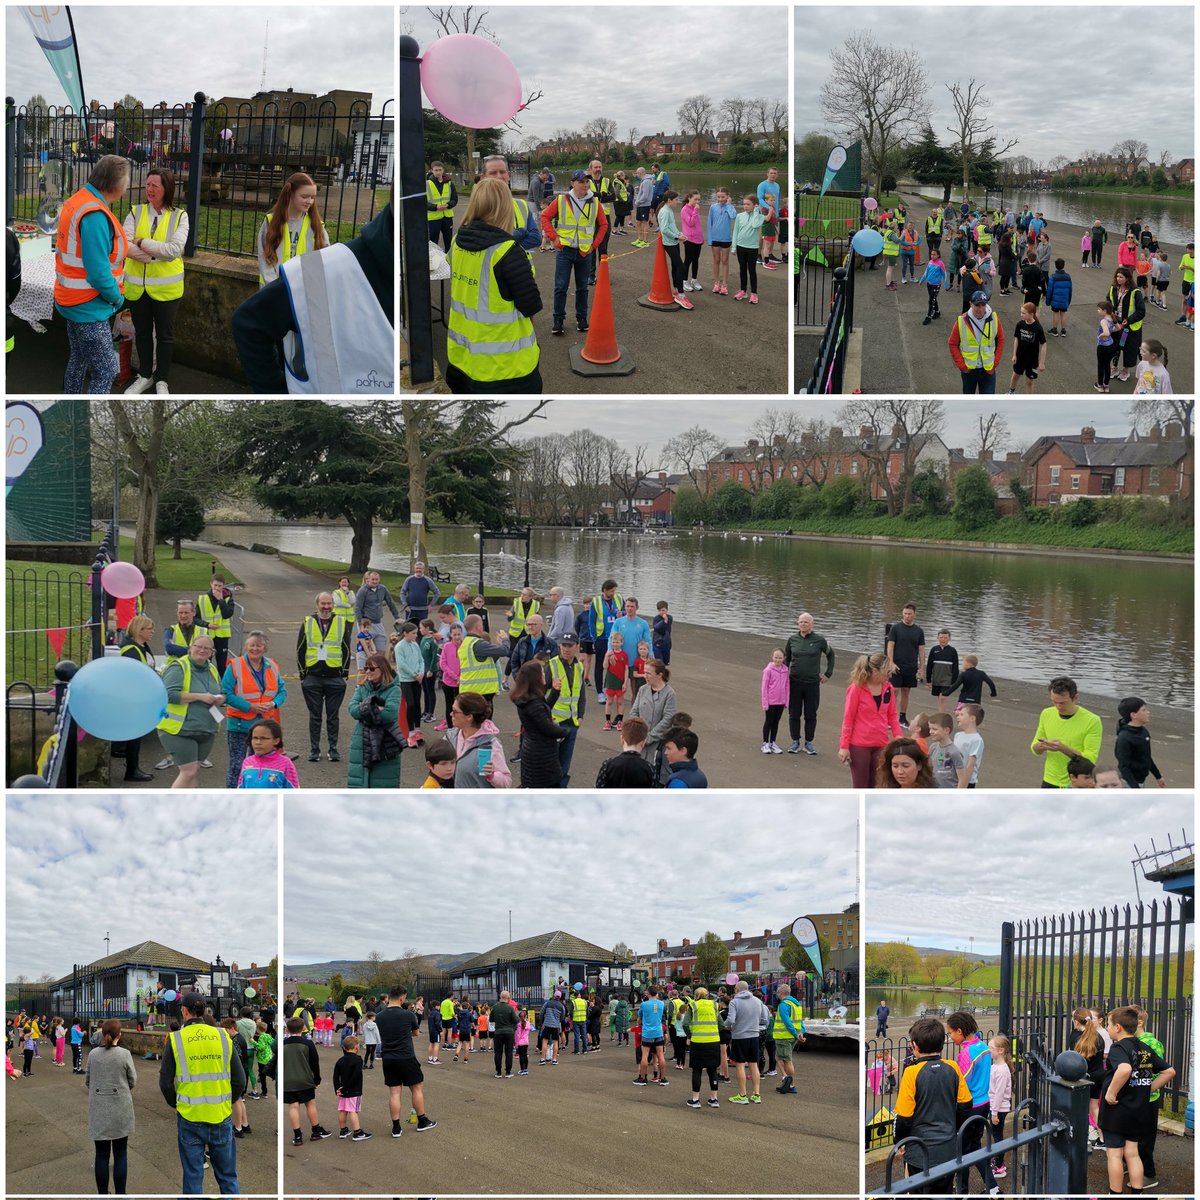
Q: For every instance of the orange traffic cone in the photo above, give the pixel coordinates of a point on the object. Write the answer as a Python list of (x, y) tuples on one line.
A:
[(661, 296), (600, 354)]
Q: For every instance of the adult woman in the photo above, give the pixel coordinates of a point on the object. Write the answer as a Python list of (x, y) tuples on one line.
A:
[(1129, 311), (90, 252), (904, 764), (352, 1012), (188, 729), (477, 744), (254, 688), (1127, 251), (110, 1079), (343, 599), (376, 745), (869, 719), (138, 633), (293, 227), (540, 733), (157, 232), (1044, 256), (491, 345), (623, 202), (656, 704)]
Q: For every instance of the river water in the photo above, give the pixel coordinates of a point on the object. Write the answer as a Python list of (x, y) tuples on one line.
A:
[(906, 1003), (1118, 629)]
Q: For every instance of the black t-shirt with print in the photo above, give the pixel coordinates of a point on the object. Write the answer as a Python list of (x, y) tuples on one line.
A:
[(1131, 1113)]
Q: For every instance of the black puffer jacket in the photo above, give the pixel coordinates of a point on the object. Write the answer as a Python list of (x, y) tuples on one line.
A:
[(540, 735), (514, 275)]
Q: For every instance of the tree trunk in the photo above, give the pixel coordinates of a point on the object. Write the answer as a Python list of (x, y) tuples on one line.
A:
[(362, 534), (946, 193), (178, 549), (147, 521), (417, 484)]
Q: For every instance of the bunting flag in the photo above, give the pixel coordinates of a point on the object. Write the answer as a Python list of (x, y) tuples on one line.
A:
[(802, 220), (825, 222), (57, 639), (815, 255), (849, 222), (55, 33)]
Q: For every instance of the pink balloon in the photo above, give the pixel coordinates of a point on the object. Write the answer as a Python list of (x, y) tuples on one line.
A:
[(731, 978), (870, 204), (123, 580), (471, 81)]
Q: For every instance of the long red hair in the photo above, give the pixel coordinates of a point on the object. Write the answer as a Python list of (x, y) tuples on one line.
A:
[(277, 221)]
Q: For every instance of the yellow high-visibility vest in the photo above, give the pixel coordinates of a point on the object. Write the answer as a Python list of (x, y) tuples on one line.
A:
[(475, 674), (487, 336), (210, 614), (977, 351), (172, 721), (203, 1073), (332, 641), (439, 195), (163, 278), (567, 680), (577, 227), (703, 1027)]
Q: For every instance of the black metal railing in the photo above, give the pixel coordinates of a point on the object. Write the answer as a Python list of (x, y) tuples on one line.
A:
[(23, 748), (814, 282), (830, 364), (41, 600)]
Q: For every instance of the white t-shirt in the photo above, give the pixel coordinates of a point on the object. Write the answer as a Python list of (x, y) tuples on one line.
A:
[(970, 743)]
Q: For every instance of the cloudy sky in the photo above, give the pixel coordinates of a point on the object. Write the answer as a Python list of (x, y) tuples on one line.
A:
[(1093, 42), (632, 64), (191, 49), (196, 873), (1022, 865), (635, 420), (608, 869)]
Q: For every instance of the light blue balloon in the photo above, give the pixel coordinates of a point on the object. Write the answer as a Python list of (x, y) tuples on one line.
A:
[(867, 242), (579, 987), (116, 699)]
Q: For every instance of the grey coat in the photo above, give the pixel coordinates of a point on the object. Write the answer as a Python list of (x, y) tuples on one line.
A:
[(110, 1076)]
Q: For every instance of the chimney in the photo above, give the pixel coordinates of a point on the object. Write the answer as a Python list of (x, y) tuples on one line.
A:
[(1013, 456), (686, 943), (1087, 435), (662, 477), (836, 433), (897, 430), (751, 443), (254, 966), (779, 440), (233, 966), (956, 450), (766, 933), (985, 456), (1173, 431), (662, 943), (737, 935), (807, 440), (865, 431)]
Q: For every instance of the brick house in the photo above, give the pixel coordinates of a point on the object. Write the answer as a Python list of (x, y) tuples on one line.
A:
[(651, 504), (1061, 468), (1184, 171)]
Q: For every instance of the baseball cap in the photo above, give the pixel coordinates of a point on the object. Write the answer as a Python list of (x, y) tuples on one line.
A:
[(979, 297), (575, 175), (568, 639)]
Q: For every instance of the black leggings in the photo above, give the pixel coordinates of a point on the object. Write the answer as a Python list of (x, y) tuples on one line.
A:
[(691, 259), (1097, 253), (120, 1165), (676, 267), (154, 332), (450, 691), (748, 265), (369, 1054), (28, 1062), (76, 1058), (1104, 362), (771, 722), (697, 1072), (411, 691), (523, 1056)]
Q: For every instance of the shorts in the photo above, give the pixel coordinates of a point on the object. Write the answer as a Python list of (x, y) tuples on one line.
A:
[(350, 1104), (643, 212), (654, 1044), (744, 1050), (720, 245), (905, 675), (187, 748), (303, 1096), (1028, 372), (614, 692), (768, 231), (435, 1028), (784, 1050), (587, 648), (1114, 1140), (938, 689), (402, 1072), (1162, 284)]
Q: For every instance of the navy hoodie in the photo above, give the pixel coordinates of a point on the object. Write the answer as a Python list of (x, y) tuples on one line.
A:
[(1134, 759)]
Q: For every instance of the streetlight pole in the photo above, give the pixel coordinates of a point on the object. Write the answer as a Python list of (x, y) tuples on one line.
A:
[(414, 223)]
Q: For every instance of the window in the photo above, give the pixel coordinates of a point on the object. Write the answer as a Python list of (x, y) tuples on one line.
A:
[(741, 475), (773, 943), (1119, 477), (837, 467), (854, 466), (1055, 472), (1154, 477), (1074, 483)]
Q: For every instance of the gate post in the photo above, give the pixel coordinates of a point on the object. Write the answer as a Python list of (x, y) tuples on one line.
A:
[(195, 170), (1067, 1165), (1007, 938), (10, 160)]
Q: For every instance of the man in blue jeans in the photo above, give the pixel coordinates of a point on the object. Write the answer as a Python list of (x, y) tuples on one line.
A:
[(199, 1078), (573, 222)]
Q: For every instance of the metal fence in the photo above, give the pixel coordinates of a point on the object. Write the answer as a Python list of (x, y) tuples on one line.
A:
[(830, 363), (38, 601), (814, 282), (229, 163)]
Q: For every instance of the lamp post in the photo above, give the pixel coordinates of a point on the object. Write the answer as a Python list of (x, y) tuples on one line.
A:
[(414, 223)]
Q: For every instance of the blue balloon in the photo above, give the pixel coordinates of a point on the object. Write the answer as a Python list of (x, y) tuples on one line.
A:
[(579, 987), (169, 995), (116, 699), (867, 242)]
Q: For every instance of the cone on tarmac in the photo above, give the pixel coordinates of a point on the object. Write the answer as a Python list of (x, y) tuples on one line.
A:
[(661, 296), (600, 354)]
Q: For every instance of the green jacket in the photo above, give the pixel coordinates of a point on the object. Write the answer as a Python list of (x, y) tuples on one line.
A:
[(803, 654), (385, 774)]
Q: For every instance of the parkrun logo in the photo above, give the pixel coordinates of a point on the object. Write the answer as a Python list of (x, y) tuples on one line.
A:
[(372, 382)]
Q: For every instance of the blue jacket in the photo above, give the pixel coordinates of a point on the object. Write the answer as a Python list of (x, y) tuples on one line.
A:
[(720, 222), (1058, 291), (687, 774), (934, 274)]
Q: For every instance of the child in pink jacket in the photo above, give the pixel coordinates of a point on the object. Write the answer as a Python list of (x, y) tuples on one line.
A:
[(521, 1041), (693, 241), (869, 720), (775, 686), (449, 669)]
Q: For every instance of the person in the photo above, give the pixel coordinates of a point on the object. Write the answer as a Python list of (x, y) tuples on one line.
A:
[(369, 602), (409, 664), (573, 222), (540, 732), (934, 278), (477, 744), (1029, 349), (301, 1078), (418, 594), (974, 1060), (76, 1048), (1104, 345), (253, 688), (1149, 1138), (747, 233), (774, 700), (491, 345), (323, 660), (1066, 719), (136, 645), (441, 199), (348, 1087), (519, 615), (602, 611), (1160, 278), (188, 728), (1097, 237), (868, 720), (1187, 269), (651, 1019), (945, 757), (567, 697), (679, 753), (663, 630), (906, 655), (883, 1014), (632, 628), (477, 659), (376, 743), (743, 1019), (502, 1027), (933, 1100), (692, 241), (89, 268), (976, 344), (199, 1076), (642, 200), (110, 1079), (701, 1029), (656, 704), (803, 653), (629, 769), (968, 739), (904, 764), (1134, 759), (1058, 297), (552, 1022), (264, 1050), (266, 765), (12, 288), (719, 235), (1127, 251), (214, 610), (562, 614), (767, 201), (1152, 376), (671, 234), (448, 670), (1129, 312), (292, 228), (891, 254), (397, 1024), (156, 233), (910, 244), (524, 220), (786, 1031)]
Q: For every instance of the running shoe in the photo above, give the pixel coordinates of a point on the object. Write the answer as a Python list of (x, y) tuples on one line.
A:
[(319, 1132), (766, 748), (809, 748), (683, 301), (713, 1103), (360, 1135), (638, 1081), (739, 1099), (740, 295), (167, 763), (716, 289), (607, 726), (794, 748), (693, 1103), (424, 1124), (753, 297), (342, 1133), (297, 1138), (663, 1082), (724, 289), (999, 1172), (776, 748), (522, 1072), (441, 725), (772, 1071), (769, 265), (755, 1098)]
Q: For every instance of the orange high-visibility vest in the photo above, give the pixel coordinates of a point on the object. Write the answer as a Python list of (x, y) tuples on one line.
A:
[(70, 284), (248, 689)]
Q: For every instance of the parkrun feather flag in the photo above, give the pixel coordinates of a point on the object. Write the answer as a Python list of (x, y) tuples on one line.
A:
[(55, 33), (835, 162), (23, 438), (805, 932)]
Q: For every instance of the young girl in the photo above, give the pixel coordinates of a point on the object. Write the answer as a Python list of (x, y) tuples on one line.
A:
[(1085, 1040), (1104, 345), (721, 217), (1160, 278), (479, 609), (616, 670), (904, 764), (410, 671), (522, 1042), (266, 766), (693, 241), (1085, 246), (669, 231), (776, 685), (449, 664), (745, 241), (1029, 348), (1152, 379), (60, 1040), (999, 1094), (431, 648), (637, 672), (485, 1040), (293, 227)]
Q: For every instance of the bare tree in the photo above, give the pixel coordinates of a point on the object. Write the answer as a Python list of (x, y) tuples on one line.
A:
[(992, 431), (1148, 411), (585, 455), (601, 132), (1164, 159), (971, 128), (815, 450), (778, 432), (1058, 162), (695, 117), (538, 488), (632, 135), (693, 450), (626, 472), (1128, 150), (900, 427), (876, 94), (735, 111), (770, 115)]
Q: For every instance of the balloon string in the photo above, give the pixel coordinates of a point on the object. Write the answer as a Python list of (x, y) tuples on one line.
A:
[(85, 625), (413, 196)]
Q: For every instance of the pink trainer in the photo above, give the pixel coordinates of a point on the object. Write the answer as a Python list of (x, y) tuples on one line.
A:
[(739, 295)]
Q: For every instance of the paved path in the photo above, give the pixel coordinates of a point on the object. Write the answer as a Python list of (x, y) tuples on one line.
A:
[(582, 1127)]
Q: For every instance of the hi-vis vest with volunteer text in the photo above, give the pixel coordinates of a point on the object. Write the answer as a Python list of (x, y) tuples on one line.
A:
[(210, 613), (567, 680), (343, 604), (891, 242), (703, 1025), (597, 607), (172, 721), (249, 690), (331, 642), (579, 1010), (161, 279), (983, 235), (577, 223), (1134, 326), (779, 1031), (203, 1075), (347, 344), (70, 282), (475, 674), (520, 616), (439, 195), (487, 337), (977, 351), (620, 190), (304, 243), (934, 224)]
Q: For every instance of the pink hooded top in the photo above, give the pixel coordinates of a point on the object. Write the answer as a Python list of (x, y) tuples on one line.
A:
[(864, 724), (775, 684), (449, 662), (690, 219), (522, 1038), (502, 778)]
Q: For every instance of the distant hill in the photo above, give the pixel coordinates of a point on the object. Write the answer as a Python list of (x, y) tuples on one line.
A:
[(925, 951), (352, 969)]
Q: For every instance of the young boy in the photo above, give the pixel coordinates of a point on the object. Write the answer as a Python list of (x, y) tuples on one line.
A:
[(945, 757), (1029, 348), (440, 761), (301, 1078), (616, 668), (968, 718), (1160, 278), (348, 1084), (680, 752), (1133, 1071), (1058, 297), (637, 673), (466, 1031), (662, 633), (1134, 759), (1149, 1138), (1081, 772), (942, 677), (628, 769), (364, 644), (264, 1050), (971, 682), (933, 1100)]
